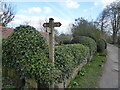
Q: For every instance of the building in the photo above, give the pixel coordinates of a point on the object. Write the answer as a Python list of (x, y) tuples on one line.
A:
[(5, 31)]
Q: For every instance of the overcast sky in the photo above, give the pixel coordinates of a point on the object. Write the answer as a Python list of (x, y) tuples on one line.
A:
[(64, 11)]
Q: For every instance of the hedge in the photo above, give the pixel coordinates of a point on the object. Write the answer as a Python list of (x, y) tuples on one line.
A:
[(105, 43), (101, 45), (86, 41), (66, 41), (67, 57), (25, 50)]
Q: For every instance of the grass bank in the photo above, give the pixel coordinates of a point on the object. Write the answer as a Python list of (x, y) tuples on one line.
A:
[(90, 74)]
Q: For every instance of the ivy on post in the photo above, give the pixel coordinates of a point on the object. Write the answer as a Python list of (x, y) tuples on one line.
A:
[(51, 26)]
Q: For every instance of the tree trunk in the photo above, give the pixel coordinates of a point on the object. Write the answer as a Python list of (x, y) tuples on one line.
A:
[(114, 37)]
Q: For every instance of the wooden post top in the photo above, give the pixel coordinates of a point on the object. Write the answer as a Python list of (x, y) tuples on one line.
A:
[(51, 19)]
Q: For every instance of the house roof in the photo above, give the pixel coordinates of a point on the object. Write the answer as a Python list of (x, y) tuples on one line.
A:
[(6, 31)]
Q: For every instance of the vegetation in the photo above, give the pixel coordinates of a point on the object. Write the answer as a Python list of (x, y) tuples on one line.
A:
[(88, 76), (25, 50), (63, 38), (66, 41), (101, 45), (82, 27), (87, 42), (67, 57), (8, 13), (110, 19)]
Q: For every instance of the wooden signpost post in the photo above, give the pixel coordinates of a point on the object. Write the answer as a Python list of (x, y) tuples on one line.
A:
[(51, 26)]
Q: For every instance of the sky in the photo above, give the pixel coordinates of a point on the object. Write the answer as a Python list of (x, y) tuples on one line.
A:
[(36, 12)]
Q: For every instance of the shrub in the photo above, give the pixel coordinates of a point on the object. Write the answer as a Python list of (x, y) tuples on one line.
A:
[(66, 41), (86, 41), (105, 43), (25, 50), (67, 57), (101, 45)]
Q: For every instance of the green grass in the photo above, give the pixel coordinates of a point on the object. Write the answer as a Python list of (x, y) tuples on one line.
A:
[(90, 74), (104, 53)]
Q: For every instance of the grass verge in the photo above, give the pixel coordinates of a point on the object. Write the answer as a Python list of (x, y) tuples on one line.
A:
[(90, 74)]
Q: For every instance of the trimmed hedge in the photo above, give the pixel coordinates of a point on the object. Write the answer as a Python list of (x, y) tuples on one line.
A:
[(86, 41), (25, 50), (66, 41), (105, 43), (67, 57), (101, 45)]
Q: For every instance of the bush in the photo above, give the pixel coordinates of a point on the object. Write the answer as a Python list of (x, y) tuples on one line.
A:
[(67, 57), (118, 40), (25, 50), (105, 43), (66, 41), (83, 27), (101, 45), (86, 41)]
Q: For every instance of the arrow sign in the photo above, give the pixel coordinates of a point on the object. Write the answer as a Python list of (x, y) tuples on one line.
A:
[(46, 25), (56, 24)]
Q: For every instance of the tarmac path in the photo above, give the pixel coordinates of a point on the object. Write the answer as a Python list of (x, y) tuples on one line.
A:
[(109, 77)]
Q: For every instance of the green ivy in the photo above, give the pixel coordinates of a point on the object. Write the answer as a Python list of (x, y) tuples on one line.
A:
[(25, 50), (67, 57)]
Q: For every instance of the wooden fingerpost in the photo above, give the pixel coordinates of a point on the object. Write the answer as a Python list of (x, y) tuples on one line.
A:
[(51, 26), (51, 40)]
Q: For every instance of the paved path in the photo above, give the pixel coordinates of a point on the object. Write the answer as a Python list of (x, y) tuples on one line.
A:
[(0, 82), (109, 78)]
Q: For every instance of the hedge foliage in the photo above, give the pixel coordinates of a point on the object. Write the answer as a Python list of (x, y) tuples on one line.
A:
[(66, 41), (101, 45), (67, 57), (25, 50), (86, 41)]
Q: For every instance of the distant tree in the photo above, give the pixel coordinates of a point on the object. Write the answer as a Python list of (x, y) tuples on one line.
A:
[(7, 13), (82, 27), (43, 29), (112, 15), (102, 21), (63, 37)]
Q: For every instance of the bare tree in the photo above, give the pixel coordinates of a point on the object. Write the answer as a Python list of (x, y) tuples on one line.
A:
[(7, 13), (102, 21), (110, 16), (43, 29), (26, 23), (114, 15)]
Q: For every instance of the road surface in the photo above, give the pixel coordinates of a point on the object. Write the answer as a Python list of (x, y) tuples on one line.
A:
[(109, 78)]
